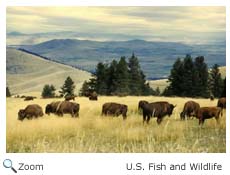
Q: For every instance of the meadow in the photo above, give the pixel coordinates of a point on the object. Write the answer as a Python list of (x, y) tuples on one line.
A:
[(92, 132)]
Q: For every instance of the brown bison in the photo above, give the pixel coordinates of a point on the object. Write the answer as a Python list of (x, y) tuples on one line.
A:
[(28, 98), (222, 103), (190, 109), (157, 109), (52, 107), (93, 96), (115, 109), (30, 111), (207, 113), (67, 107), (70, 97)]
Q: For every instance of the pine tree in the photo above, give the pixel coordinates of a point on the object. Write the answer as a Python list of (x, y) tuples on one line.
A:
[(188, 77), (122, 78), (200, 77), (176, 79), (88, 87), (48, 91), (112, 77), (215, 81), (136, 79), (101, 78), (68, 87), (8, 94)]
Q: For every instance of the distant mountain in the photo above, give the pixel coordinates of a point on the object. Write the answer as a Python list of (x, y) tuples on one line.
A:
[(156, 58), (28, 73)]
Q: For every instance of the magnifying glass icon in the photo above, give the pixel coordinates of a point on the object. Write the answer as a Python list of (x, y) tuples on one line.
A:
[(7, 163)]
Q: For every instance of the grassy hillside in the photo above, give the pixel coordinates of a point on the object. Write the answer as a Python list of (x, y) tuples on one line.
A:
[(93, 133), (27, 73)]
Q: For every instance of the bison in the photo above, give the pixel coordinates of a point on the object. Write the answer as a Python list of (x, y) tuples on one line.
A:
[(207, 113), (28, 98), (93, 96), (67, 107), (190, 109), (30, 111), (115, 109), (52, 107), (222, 103), (70, 97), (157, 109)]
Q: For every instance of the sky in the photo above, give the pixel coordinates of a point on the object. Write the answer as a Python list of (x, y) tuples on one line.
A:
[(181, 24)]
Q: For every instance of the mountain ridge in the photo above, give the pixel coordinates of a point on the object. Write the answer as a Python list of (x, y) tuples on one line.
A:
[(156, 58)]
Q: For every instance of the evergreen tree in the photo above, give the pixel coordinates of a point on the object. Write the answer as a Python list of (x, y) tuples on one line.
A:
[(188, 77), (8, 94), (215, 81), (48, 91), (176, 79), (68, 87), (101, 78), (112, 77), (88, 87), (122, 78), (200, 82), (136, 79)]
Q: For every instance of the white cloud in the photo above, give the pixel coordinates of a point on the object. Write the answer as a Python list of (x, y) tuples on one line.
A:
[(170, 23)]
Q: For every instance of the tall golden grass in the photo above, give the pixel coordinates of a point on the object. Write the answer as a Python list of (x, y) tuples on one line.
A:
[(93, 133)]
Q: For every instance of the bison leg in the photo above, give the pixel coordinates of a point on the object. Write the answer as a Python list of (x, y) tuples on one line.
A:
[(144, 118), (159, 120), (148, 118), (201, 121)]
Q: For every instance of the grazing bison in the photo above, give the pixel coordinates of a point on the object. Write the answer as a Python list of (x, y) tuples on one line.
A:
[(67, 107), (115, 109), (222, 103), (207, 113), (70, 97), (52, 107), (93, 96), (30, 111), (158, 110), (190, 109), (28, 98)]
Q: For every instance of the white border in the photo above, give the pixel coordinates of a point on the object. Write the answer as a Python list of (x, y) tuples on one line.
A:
[(79, 161)]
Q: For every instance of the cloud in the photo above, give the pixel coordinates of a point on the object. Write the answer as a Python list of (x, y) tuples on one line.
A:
[(151, 23)]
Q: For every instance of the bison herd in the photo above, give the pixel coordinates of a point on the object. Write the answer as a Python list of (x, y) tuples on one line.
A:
[(157, 110)]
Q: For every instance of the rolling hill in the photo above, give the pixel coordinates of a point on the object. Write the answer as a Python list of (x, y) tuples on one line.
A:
[(28, 73), (156, 58)]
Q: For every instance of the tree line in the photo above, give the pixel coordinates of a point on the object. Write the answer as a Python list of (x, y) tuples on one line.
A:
[(118, 78), (191, 78), (188, 78)]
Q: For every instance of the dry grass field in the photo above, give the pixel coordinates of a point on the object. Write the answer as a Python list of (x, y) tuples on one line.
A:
[(93, 133)]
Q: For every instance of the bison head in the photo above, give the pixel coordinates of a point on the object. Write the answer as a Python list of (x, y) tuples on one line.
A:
[(21, 114), (170, 109), (48, 109), (141, 104), (124, 109), (182, 115)]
